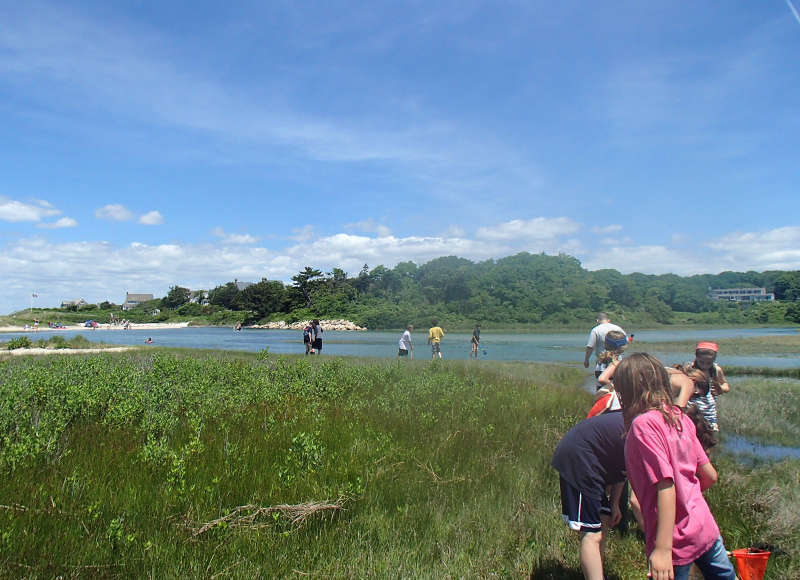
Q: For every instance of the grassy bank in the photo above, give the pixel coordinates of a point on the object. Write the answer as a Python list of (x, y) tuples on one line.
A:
[(217, 464), (766, 345)]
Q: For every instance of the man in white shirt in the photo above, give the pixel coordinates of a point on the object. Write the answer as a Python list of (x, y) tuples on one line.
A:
[(597, 338), (405, 344)]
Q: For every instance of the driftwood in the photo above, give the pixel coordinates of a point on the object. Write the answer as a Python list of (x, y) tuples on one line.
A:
[(248, 516)]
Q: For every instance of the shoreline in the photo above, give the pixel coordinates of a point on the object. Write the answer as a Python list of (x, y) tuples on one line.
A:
[(103, 326)]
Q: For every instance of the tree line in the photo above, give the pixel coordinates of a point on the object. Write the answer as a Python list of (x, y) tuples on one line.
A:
[(524, 289)]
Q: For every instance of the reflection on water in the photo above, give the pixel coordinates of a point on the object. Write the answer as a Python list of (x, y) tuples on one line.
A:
[(747, 447)]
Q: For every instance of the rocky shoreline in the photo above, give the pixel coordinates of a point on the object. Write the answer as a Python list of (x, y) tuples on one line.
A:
[(339, 324)]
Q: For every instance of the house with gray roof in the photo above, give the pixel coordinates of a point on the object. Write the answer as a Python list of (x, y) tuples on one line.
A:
[(133, 300)]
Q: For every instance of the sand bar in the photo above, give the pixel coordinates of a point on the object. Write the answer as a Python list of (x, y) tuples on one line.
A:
[(105, 326)]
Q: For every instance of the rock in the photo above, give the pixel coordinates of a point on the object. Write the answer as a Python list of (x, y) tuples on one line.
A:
[(338, 324)]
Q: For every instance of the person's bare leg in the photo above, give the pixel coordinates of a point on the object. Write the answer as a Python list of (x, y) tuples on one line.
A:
[(592, 544)]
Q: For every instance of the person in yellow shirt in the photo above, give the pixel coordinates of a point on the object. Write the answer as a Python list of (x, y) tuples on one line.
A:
[(435, 335)]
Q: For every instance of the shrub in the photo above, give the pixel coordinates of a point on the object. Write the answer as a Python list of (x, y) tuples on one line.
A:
[(20, 342)]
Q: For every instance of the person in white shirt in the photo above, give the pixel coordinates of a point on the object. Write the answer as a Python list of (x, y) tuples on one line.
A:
[(405, 344), (597, 340)]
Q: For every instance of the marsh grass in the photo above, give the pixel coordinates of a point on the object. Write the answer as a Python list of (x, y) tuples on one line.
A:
[(111, 463), (757, 345), (764, 409)]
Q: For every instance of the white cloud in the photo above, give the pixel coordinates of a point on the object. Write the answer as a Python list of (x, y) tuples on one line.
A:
[(454, 232), (303, 234), (647, 259), (12, 210), (609, 229), (151, 218), (64, 222), (369, 226), (227, 238), (113, 212), (777, 249), (539, 228)]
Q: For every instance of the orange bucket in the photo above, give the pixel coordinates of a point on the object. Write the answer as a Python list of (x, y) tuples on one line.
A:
[(751, 563)]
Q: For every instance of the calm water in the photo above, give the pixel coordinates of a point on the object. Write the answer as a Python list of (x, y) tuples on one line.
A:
[(555, 347)]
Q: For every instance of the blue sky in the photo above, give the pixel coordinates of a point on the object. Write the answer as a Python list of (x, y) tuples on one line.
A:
[(149, 144)]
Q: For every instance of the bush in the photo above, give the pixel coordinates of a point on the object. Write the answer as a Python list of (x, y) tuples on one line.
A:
[(21, 342)]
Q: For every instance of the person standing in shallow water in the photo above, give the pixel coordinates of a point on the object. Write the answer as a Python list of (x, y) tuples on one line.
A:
[(597, 340), (435, 335), (405, 346), (317, 329), (475, 341)]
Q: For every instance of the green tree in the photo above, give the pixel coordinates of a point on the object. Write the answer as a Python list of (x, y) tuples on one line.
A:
[(177, 296), (304, 282), (264, 298), (225, 296)]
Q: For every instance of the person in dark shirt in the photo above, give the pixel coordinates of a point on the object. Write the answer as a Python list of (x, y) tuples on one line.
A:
[(590, 460)]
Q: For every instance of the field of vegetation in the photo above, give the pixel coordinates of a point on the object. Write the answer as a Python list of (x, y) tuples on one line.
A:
[(174, 464), (780, 345)]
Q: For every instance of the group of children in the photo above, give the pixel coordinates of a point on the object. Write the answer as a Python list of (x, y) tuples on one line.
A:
[(651, 426)]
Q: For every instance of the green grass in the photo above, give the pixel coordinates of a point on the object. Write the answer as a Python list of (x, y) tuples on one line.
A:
[(110, 462), (56, 342), (765, 409), (766, 345)]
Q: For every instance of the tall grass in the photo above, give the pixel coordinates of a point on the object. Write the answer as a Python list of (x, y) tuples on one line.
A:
[(766, 409), (112, 464)]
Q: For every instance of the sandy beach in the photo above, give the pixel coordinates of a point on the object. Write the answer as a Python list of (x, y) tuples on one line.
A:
[(44, 351), (133, 326)]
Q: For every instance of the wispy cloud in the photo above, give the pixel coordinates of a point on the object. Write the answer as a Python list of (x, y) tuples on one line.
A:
[(794, 10), (609, 229), (113, 212), (64, 222), (151, 218), (36, 210), (227, 238), (136, 77), (539, 228), (369, 226)]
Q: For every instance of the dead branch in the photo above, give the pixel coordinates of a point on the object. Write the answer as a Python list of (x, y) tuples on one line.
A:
[(248, 516)]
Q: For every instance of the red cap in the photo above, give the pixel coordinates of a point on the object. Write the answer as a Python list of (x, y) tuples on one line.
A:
[(707, 346)]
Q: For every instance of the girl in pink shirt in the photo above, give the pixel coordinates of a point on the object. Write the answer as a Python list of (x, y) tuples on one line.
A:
[(668, 470)]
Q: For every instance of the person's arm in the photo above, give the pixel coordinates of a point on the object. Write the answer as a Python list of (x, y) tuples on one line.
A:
[(721, 385), (707, 475), (660, 560), (682, 387), (608, 374), (588, 354), (615, 493)]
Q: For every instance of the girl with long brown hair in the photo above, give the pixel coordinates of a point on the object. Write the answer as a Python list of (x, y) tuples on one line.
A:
[(668, 471)]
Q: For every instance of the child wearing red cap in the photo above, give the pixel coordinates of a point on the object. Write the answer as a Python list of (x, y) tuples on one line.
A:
[(712, 383)]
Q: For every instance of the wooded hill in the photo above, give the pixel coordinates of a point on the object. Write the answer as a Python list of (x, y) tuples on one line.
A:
[(517, 291), (524, 289)]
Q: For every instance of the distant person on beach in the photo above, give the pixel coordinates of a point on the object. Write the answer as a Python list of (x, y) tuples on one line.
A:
[(238, 327), (475, 341), (668, 470), (630, 338), (315, 325), (308, 333), (597, 341), (590, 461), (435, 335), (406, 347)]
